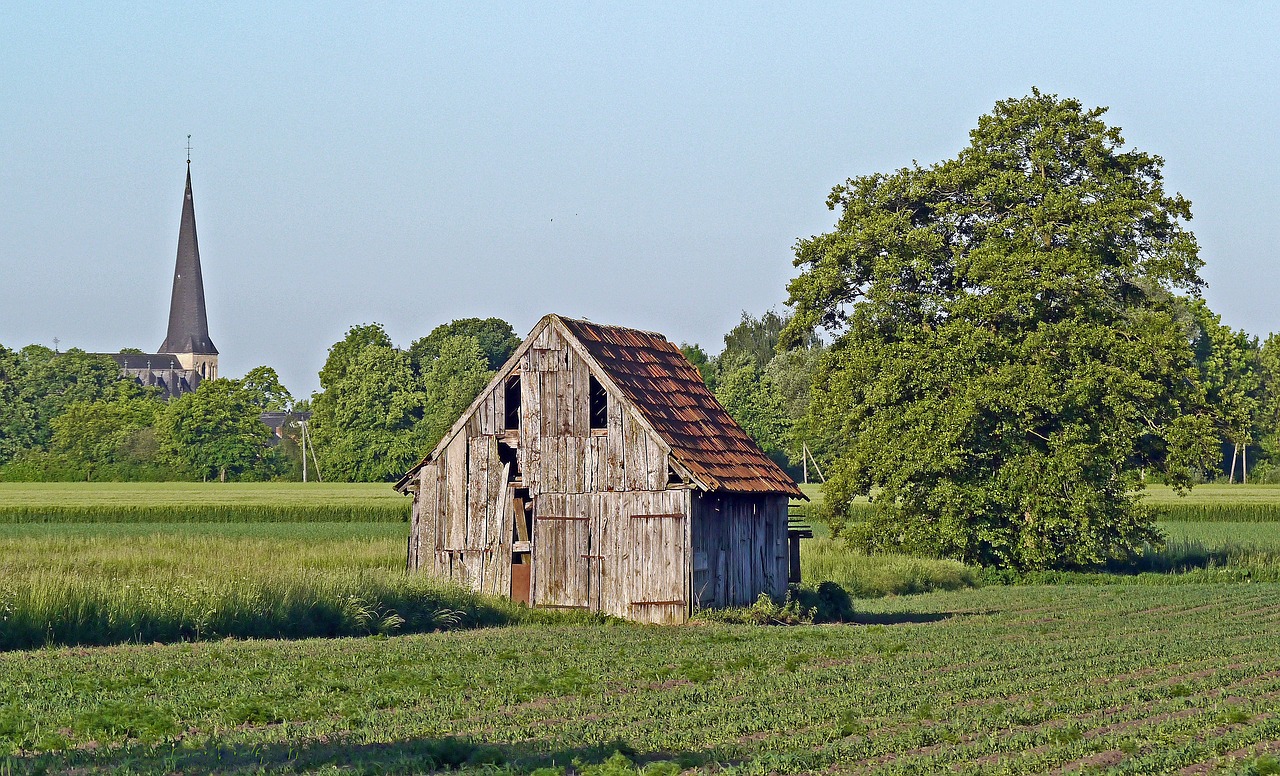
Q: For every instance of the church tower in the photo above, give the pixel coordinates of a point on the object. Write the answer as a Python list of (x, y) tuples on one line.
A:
[(188, 337)]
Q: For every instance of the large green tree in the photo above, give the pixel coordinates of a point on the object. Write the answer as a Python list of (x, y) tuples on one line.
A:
[(110, 439), (1010, 351), (362, 422), (453, 381), (494, 336), (38, 384), (216, 432)]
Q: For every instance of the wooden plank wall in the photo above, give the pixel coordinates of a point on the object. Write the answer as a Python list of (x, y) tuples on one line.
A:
[(627, 549), (622, 553), (739, 545)]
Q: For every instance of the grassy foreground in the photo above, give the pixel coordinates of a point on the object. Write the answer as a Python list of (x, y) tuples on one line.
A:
[(104, 583), (1008, 680), (172, 502)]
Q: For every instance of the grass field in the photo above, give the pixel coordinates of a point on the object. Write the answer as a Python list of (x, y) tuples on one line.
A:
[(107, 583), (1007, 680), (171, 502), (1159, 674)]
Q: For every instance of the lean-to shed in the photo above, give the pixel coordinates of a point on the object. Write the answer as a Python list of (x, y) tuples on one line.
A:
[(596, 471)]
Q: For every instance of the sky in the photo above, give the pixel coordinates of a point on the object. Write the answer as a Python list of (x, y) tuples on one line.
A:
[(648, 164)]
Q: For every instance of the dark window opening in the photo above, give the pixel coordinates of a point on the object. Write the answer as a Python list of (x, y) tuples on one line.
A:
[(673, 478), (508, 455), (599, 406), (513, 402)]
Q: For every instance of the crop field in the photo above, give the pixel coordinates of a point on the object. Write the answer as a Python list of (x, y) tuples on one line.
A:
[(1008, 680), (173, 502), (1225, 503), (107, 583), (1155, 673)]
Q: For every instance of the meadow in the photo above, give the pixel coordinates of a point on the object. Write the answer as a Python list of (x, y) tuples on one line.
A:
[(943, 668), (200, 502), (1012, 680)]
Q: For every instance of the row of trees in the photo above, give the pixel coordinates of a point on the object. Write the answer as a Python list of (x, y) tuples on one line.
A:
[(71, 416), (381, 408)]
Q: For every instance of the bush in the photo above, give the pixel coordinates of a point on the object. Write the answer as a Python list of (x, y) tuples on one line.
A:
[(802, 605)]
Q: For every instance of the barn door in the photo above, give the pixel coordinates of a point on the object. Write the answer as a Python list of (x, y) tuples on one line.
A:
[(658, 567), (561, 556)]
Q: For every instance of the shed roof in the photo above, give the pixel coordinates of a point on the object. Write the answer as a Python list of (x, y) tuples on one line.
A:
[(669, 392)]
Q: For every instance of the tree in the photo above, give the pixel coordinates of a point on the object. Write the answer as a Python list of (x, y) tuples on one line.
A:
[(1232, 380), (755, 403), (269, 393), (755, 341), (109, 438), (1010, 349), (456, 377), (791, 375), (215, 431), (344, 352), (495, 337), (1268, 417), (17, 418), (362, 424), (47, 383)]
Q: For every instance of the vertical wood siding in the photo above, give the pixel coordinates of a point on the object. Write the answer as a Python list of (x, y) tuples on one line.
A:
[(739, 545), (608, 535)]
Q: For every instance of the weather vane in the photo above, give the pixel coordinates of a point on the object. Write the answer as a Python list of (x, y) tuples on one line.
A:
[(188, 149)]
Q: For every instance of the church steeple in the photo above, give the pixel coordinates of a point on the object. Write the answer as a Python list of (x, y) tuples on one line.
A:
[(188, 336)]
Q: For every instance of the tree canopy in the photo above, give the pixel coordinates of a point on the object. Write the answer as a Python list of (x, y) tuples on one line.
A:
[(1010, 348), (381, 408), (494, 336)]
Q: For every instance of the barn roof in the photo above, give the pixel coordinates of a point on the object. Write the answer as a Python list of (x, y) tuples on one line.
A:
[(669, 392)]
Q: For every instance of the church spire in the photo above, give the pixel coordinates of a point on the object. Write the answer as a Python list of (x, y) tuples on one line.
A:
[(188, 324)]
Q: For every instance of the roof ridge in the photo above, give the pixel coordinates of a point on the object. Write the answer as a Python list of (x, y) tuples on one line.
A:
[(597, 324)]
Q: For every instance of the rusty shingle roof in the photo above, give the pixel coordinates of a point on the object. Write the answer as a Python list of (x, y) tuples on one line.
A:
[(670, 394)]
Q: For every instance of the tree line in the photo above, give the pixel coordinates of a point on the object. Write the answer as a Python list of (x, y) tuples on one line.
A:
[(998, 350)]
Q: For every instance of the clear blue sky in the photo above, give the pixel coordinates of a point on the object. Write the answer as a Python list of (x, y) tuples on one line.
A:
[(647, 165)]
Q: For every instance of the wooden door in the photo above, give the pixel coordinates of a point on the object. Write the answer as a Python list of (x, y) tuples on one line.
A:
[(561, 562), (658, 567)]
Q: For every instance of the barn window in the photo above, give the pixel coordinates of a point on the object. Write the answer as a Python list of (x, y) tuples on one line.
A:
[(599, 406), (512, 397)]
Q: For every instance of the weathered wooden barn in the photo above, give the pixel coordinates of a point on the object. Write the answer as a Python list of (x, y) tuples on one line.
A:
[(596, 471)]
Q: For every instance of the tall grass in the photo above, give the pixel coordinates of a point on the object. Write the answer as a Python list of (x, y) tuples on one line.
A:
[(1219, 512), (107, 584), (865, 575), (389, 512), (172, 502)]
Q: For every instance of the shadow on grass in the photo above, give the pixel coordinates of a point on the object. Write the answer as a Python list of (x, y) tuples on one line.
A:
[(104, 615), (420, 755), (902, 618)]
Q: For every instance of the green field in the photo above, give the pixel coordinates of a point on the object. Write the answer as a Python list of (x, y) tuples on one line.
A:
[(1007, 680), (1225, 503), (172, 502), (1154, 673), (107, 583)]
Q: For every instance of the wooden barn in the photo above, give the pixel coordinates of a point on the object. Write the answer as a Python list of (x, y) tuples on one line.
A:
[(596, 471)]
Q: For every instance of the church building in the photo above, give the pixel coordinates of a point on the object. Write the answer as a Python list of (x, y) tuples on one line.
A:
[(187, 355)]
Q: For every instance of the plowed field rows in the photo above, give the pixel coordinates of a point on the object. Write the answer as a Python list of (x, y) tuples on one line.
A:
[(997, 680)]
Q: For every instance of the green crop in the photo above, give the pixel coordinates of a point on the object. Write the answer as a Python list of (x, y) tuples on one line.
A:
[(1010, 680), (174, 502)]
